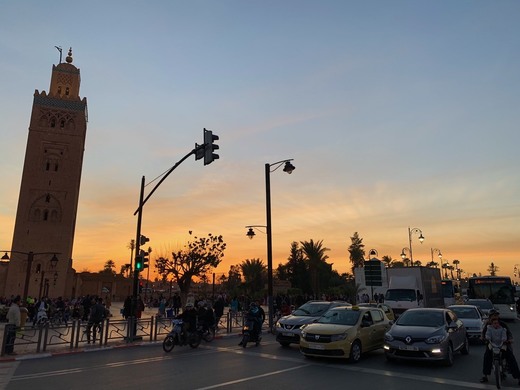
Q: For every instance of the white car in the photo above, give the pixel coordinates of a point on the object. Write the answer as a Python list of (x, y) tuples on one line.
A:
[(472, 318)]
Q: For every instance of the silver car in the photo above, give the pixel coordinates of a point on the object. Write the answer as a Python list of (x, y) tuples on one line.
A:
[(426, 334), (472, 318), (288, 328)]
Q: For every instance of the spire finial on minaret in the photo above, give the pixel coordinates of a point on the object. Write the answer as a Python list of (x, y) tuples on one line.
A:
[(69, 57)]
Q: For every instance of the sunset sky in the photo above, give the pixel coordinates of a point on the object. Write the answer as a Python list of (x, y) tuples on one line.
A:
[(397, 114)]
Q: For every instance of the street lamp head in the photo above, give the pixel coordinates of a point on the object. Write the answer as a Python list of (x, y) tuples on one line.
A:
[(288, 167), (421, 238), (372, 252), (403, 255), (250, 233), (54, 261), (5, 257)]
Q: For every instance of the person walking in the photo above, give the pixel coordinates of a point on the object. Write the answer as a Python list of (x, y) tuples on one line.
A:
[(13, 322), (97, 315)]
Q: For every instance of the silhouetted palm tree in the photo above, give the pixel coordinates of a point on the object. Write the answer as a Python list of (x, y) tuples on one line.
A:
[(314, 253)]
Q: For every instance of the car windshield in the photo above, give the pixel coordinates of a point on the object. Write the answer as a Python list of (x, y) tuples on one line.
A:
[(315, 309), (400, 295), (465, 312), (340, 317), (421, 318)]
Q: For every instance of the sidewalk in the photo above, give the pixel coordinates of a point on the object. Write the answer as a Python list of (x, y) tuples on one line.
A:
[(23, 354)]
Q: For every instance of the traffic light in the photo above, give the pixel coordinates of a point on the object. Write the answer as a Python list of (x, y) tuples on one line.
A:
[(209, 147), (144, 256), (138, 263), (144, 240)]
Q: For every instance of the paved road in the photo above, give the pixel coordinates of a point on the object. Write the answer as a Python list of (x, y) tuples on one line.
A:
[(223, 364)]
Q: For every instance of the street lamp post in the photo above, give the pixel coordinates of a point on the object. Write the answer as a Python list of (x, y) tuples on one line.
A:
[(30, 258), (288, 167), (421, 239), (438, 251), (403, 254)]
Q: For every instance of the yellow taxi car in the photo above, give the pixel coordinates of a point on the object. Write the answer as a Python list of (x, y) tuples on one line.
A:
[(345, 332)]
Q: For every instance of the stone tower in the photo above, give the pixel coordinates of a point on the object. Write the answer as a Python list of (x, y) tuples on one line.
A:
[(49, 191)]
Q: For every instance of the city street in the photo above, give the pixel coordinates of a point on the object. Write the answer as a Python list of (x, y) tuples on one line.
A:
[(223, 364)]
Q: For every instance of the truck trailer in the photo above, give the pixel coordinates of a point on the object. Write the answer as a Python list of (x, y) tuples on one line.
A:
[(411, 287)]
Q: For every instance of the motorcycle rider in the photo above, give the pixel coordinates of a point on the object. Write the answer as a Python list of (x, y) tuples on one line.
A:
[(508, 353), (206, 316), (256, 315), (189, 320)]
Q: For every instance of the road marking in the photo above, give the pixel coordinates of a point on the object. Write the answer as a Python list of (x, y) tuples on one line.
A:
[(357, 369), (250, 378), (207, 349)]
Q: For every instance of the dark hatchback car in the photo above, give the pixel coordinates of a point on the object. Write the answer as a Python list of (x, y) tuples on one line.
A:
[(426, 334)]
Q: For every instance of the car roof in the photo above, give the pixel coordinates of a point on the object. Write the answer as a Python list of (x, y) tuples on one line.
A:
[(463, 306), (427, 309)]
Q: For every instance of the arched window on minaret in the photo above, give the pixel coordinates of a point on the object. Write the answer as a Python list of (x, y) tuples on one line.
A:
[(67, 90), (46, 215), (62, 123), (59, 90), (53, 122)]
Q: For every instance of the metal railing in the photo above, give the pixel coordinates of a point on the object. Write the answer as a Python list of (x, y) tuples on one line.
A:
[(73, 335)]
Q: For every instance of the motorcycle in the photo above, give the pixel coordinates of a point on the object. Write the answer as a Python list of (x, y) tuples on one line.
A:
[(176, 337), (207, 333), (249, 334)]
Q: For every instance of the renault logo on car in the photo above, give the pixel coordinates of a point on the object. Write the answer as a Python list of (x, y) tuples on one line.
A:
[(408, 339)]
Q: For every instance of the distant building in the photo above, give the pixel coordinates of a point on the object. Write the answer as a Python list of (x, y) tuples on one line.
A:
[(49, 191)]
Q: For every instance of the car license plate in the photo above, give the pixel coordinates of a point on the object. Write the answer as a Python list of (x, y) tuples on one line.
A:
[(316, 346), (408, 348), (287, 334)]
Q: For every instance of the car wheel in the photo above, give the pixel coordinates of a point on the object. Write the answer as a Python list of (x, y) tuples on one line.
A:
[(355, 352), (448, 360), (465, 348)]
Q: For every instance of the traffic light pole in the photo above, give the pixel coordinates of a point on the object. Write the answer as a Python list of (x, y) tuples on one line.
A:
[(135, 285), (199, 152)]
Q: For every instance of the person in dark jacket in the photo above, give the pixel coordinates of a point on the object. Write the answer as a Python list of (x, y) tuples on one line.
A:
[(96, 317)]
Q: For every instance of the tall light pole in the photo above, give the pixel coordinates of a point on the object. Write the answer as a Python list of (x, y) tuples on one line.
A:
[(403, 254), (288, 167), (438, 251), (421, 239), (30, 258)]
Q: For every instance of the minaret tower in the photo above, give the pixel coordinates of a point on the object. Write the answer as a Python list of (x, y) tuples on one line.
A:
[(49, 191)]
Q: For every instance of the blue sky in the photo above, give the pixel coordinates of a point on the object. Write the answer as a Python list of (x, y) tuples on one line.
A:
[(397, 114)]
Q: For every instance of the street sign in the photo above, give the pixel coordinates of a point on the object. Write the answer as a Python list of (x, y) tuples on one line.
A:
[(373, 275)]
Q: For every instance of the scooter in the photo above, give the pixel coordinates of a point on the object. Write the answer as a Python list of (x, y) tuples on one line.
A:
[(249, 334), (176, 337)]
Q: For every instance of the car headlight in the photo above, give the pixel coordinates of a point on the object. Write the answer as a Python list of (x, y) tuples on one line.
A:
[(338, 337), (389, 337), (436, 339), (303, 334)]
